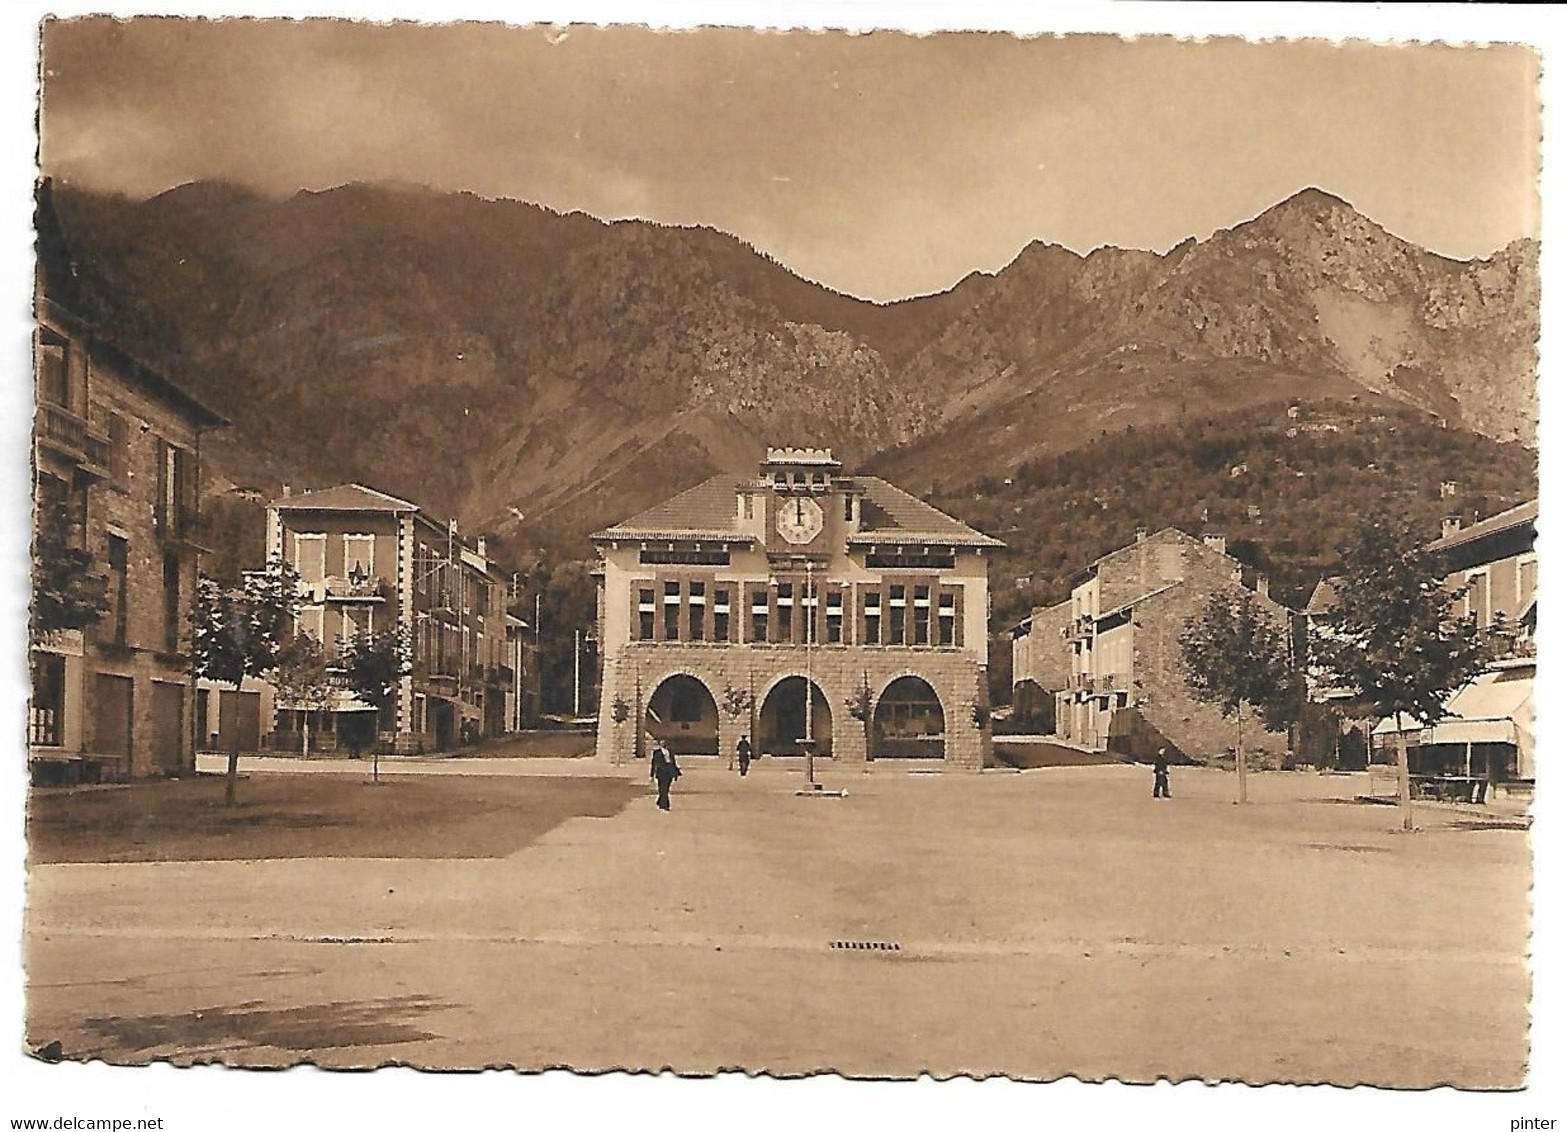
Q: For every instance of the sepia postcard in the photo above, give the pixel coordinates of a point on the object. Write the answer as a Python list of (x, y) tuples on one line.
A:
[(595, 547)]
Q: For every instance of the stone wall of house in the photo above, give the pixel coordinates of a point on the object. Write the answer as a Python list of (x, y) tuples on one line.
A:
[(1161, 695), (635, 672), (156, 635)]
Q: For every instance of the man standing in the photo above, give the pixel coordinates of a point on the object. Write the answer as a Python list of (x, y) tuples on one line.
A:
[(664, 770), (1161, 775), (743, 754)]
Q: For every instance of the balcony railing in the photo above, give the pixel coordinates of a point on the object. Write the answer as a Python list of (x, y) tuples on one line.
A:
[(338, 588), (70, 435)]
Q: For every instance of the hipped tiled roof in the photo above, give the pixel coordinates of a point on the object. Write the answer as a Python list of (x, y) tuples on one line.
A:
[(708, 511), (1521, 515), (344, 497)]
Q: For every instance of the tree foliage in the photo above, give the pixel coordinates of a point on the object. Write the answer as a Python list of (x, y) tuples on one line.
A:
[(240, 631), (303, 676), (374, 663), (1394, 640), (735, 701), (1236, 654), (68, 590)]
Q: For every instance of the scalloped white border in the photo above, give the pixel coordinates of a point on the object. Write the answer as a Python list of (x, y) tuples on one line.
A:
[(307, 1099)]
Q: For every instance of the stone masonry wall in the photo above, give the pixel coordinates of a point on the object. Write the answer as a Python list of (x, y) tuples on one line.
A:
[(1200, 730), (840, 672), (126, 509)]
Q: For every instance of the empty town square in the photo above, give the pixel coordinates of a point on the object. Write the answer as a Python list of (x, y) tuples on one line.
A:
[(1056, 921), (789, 563)]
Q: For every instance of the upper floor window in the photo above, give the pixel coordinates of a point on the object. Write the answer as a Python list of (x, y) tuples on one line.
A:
[(172, 621), (119, 567), (946, 620), (696, 609), (1478, 598), (176, 488), (311, 621), (645, 613), (119, 452), (758, 616), (922, 615), (872, 633), (310, 557), (54, 381), (720, 614), (671, 611), (897, 603), (358, 556), (785, 611), (834, 617)]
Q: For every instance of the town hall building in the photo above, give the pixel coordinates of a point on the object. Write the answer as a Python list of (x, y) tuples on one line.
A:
[(723, 607)]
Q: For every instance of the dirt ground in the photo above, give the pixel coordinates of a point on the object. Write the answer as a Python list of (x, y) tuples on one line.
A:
[(1054, 922), (315, 815)]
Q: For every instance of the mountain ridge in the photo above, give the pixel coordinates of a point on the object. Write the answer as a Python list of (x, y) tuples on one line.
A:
[(490, 357)]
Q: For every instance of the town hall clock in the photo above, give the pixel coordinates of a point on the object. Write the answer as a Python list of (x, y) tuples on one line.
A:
[(799, 520)]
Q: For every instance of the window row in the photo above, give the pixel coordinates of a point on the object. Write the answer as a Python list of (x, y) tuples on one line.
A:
[(798, 612)]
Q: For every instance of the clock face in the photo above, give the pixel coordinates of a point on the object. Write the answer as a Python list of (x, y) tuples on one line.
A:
[(799, 519)]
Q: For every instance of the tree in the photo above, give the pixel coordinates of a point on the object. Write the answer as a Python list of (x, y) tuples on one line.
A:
[(735, 703), (68, 593), (859, 705), (1237, 655), (303, 681), (375, 664), (239, 631), (1393, 640)]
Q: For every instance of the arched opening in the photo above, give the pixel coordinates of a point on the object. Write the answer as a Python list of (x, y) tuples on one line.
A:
[(782, 720), (683, 713), (909, 722)]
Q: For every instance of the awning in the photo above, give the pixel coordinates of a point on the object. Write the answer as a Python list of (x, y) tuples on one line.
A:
[(341, 700), (1496, 707), (1463, 731)]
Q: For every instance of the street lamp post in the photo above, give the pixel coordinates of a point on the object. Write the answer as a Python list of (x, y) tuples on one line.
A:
[(808, 741)]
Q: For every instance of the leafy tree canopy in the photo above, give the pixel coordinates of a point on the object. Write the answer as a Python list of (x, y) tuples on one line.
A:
[(68, 590), (1235, 654), (240, 631), (375, 662), (1394, 639)]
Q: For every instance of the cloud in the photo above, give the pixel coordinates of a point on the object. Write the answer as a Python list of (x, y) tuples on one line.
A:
[(910, 161)]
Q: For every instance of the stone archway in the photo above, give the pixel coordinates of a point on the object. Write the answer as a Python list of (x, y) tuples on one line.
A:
[(684, 714), (909, 721), (781, 720)]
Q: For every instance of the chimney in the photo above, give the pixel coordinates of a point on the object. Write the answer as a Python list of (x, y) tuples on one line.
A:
[(1452, 524), (288, 490), (1262, 586), (479, 547), (1214, 541), (1142, 533)]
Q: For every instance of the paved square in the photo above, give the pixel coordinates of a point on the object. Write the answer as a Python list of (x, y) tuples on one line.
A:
[(1048, 923)]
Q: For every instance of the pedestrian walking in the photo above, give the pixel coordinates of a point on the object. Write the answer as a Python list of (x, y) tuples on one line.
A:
[(1161, 775), (664, 770), (743, 754)]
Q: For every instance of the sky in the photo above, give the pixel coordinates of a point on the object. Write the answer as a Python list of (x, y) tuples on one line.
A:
[(883, 165)]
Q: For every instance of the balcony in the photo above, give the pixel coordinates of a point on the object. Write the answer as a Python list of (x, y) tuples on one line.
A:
[(354, 589), (499, 676), (181, 525), (58, 428)]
